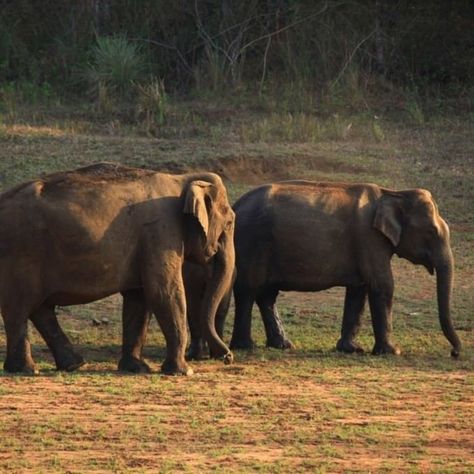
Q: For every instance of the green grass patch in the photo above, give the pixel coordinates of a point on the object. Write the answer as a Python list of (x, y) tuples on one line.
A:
[(309, 409)]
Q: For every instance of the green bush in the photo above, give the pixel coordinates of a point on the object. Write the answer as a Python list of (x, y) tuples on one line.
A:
[(116, 65)]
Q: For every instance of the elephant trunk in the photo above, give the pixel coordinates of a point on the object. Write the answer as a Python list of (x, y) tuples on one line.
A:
[(217, 289), (444, 283)]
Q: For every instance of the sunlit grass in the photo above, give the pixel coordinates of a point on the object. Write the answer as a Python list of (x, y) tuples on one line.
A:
[(309, 409)]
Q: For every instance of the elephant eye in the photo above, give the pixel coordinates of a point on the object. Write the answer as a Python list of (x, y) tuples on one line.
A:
[(433, 230), (208, 202)]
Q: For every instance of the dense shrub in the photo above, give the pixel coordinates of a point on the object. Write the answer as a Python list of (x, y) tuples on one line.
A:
[(225, 44)]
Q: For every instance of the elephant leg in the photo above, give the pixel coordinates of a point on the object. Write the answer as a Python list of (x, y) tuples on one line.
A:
[(354, 304), (198, 348), (171, 315), (165, 295), (19, 357), (135, 319), (241, 334), (380, 301), (272, 322), (45, 321)]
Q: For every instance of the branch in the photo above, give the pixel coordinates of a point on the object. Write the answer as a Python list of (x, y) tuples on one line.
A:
[(351, 56), (166, 46)]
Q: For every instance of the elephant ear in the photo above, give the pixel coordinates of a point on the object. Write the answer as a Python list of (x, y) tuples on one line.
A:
[(388, 217), (195, 202)]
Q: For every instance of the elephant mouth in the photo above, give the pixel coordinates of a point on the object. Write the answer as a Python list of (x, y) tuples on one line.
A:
[(424, 260), (429, 266)]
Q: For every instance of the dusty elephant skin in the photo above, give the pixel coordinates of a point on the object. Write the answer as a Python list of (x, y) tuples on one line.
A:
[(307, 236), (78, 236)]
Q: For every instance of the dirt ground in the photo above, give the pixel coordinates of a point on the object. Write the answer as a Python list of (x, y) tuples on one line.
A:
[(305, 410), (133, 423)]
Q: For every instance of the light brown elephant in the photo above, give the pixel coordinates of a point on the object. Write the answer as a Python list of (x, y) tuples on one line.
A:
[(81, 235), (308, 236)]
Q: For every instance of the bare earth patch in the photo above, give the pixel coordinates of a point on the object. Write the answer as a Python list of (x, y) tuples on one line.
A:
[(305, 410), (255, 415)]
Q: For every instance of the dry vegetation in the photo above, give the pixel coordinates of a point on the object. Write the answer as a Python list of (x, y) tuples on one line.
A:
[(306, 410)]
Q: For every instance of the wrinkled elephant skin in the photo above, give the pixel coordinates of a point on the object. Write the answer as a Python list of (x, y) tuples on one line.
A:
[(78, 236), (308, 236)]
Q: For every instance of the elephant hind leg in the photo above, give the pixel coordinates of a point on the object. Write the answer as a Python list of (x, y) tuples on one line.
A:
[(19, 357), (45, 321), (272, 322), (354, 304)]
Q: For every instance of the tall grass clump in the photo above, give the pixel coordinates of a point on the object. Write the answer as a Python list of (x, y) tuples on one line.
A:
[(115, 65), (415, 111), (288, 127), (152, 103), (13, 95)]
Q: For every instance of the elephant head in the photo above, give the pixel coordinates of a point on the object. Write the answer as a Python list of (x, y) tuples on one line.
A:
[(413, 225), (208, 203), (210, 241)]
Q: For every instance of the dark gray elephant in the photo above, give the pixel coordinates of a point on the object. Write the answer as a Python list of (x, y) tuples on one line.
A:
[(81, 235), (308, 236)]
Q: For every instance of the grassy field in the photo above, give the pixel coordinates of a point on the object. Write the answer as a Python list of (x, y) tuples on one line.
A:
[(305, 410)]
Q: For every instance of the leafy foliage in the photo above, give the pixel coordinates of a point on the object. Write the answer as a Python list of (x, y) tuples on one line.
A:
[(116, 64), (227, 44)]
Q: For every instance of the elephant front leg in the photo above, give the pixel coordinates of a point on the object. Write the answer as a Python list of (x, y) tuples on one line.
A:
[(274, 329), (354, 303), (198, 349), (135, 319), (380, 301), (46, 322), (164, 291), (241, 334), (171, 315)]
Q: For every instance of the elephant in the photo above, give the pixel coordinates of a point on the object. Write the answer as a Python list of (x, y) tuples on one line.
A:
[(310, 236), (78, 236)]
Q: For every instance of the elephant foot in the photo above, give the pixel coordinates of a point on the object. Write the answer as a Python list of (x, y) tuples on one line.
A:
[(27, 367), (280, 342), (385, 348), (197, 351), (246, 344), (175, 368), (348, 346), (70, 362), (133, 365)]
